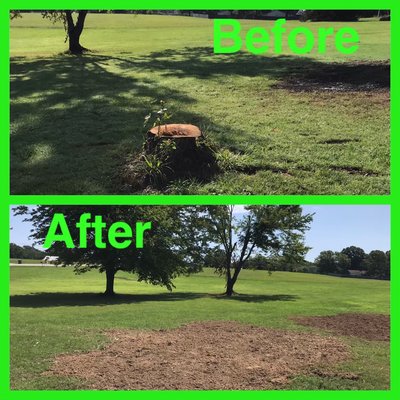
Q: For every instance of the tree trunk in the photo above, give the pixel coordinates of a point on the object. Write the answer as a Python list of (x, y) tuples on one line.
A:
[(230, 281), (74, 44), (74, 32), (229, 287), (110, 274)]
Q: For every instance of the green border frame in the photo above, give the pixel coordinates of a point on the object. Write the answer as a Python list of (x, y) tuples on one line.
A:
[(6, 199)]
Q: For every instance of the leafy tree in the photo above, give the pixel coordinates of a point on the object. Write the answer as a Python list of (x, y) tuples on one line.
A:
[(16, 251), (27, 252), (388, 260), (356, 255), (261, 262), (343, 263), (214, 258), (331, 15), (73, 28), (377, 264), (325, 262), (270, 230), (169, 249), (330, 262), (279, 263)]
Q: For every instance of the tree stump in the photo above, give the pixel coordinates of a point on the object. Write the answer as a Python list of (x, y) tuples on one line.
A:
[(188, 157), (183, 135)]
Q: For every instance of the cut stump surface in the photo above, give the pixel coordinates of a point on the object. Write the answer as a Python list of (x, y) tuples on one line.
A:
[(175, 131)]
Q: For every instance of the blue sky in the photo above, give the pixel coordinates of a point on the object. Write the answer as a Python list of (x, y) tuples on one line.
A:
[(333, 228), (336, 227)]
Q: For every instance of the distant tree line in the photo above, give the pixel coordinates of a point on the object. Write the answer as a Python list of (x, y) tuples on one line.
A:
[(375, 264), (304, 15), (351, 261), (25, 252), (74, 20), (340, 15)]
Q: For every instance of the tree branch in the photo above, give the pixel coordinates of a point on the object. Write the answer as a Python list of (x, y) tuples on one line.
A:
[(81, 21), (70, 22)]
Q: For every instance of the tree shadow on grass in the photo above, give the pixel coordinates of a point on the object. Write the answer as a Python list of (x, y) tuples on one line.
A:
[(202, 63), (74, 120), (259, 298), (45, 299)]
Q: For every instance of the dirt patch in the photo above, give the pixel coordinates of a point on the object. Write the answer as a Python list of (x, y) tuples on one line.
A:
[(206, 356), (340, 77), (365, 326)]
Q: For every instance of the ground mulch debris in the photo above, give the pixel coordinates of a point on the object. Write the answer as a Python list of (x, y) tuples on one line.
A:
[(201, 355), (365, 326)]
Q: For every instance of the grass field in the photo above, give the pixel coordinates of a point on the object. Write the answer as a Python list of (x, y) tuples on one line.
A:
[(53, 311), (75, 121), (25, 261)]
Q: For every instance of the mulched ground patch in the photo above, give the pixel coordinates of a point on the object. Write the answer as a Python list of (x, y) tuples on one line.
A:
[(206, 355), (340, 77), (365, 326)]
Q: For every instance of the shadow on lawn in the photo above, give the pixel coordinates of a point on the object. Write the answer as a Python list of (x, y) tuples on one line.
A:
[(43, 299), (202, 63), (74, 122), (259, 298), (77, 118)]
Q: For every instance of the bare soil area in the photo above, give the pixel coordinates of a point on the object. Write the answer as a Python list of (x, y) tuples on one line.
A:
[(365, 326), (341, 77), (202, 355)]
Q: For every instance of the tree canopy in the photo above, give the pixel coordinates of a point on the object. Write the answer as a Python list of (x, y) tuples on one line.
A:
[(168, 252), (73, 27), (25, 252), (182, 239), (356, 255), (377, 264), (268, 230), (330, 262), (331, 15)]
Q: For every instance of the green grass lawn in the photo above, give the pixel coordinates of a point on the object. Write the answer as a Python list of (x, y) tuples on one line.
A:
[(53, 311), (25, 261), (75, 121)]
